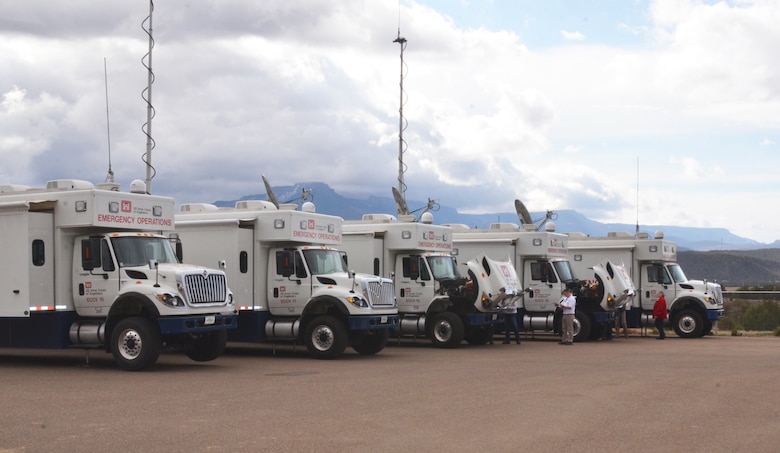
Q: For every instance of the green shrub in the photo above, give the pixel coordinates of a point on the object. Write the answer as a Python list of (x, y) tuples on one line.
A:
[(776, 332), (765, 316)]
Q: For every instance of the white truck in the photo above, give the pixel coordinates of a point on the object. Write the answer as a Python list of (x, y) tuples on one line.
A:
[(85, 269), (541, 262), (291, 284), (434, 301), (652, 263)]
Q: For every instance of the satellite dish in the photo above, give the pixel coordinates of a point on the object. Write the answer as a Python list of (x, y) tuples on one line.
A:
[(269, 192), (522, 213), (400, 203)]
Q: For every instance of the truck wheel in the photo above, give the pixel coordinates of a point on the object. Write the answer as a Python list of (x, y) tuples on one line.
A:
[(208, 346), (370, 342), (446, 330), (707, 328), (326, 337), (135, 343), (581, 326), (479, 336), (688, 324)]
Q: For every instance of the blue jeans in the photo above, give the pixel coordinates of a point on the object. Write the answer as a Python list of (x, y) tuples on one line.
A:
[(659, 324), (510, 323)]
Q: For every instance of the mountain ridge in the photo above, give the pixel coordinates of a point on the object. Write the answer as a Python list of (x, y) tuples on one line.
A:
[(328, 201)]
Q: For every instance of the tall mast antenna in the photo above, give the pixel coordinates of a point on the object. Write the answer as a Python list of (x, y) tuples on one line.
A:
[(401, 120), (637, 195), (110, 176), (146, 94)]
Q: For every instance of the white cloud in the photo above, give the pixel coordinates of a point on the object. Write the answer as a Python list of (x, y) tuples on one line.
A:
[(309, 91), (572, 35)]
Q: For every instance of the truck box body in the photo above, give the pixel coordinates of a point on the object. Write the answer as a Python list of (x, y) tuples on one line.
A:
[(651, 262), (80, 261), (277, 305)]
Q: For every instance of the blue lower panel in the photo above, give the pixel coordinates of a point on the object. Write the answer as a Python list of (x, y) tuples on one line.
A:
[(714, 315), (603, 316), (374, 322), (250, 328), (192, 324), (44, 330), (485, 319)]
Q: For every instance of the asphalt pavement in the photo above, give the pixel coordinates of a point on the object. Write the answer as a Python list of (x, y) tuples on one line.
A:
[(713, 394)]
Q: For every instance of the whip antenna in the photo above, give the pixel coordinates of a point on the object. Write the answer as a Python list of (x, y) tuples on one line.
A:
[(110, 175)]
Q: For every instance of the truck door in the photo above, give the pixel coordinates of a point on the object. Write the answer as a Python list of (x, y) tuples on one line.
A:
[(414, 283), (28, 247), (290, 284), (96, 276), (545, 285), (655, 278)]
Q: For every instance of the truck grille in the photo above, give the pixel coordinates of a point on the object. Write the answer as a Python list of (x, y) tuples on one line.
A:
[(381, 294), (207, 288)]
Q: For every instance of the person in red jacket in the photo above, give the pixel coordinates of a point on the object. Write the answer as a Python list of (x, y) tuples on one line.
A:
[(660, 315)]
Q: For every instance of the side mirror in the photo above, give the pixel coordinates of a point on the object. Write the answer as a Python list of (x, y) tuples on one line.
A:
[(285, 263), (90, 253)]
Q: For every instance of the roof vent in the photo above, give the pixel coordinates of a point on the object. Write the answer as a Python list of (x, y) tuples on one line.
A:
[(69, 184)]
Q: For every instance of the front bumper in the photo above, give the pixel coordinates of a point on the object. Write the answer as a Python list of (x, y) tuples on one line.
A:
[(193, 324), (374, 322)]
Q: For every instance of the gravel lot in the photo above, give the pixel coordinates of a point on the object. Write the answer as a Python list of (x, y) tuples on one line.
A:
[(714, 394)]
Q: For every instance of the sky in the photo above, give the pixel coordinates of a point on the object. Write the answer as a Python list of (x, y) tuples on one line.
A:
[(665, 112)]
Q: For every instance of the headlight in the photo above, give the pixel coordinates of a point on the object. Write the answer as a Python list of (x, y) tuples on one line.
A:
[(170, 300), (358, 301)]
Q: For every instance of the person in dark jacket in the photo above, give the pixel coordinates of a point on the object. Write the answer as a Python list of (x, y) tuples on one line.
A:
[(660, 314)]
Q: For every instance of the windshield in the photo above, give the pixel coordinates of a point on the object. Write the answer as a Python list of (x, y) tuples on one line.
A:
[(324, 261), (138, 250), (563, 268), (677, 273), (442, 267)]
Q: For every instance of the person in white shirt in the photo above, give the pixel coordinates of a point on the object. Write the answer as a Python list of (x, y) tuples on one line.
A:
[(569, 304)]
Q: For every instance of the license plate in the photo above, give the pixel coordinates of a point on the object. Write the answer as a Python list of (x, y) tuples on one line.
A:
[(495, 316), (383, 320), (210, 320)]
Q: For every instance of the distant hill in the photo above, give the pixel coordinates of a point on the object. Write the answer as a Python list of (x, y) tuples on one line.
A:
[(733, 268), (330, 202)]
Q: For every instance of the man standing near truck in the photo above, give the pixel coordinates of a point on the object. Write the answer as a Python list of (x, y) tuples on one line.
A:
[(568, 303)]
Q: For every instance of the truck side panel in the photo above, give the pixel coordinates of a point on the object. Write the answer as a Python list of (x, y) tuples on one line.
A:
[(365, 255)]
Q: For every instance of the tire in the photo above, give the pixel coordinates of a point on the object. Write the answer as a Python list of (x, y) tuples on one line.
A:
[(135, 343), (688, 324), (446, 330), (707, 328), (582, 326), (370, 342), (479, 336), (208, 346), (326, 337)]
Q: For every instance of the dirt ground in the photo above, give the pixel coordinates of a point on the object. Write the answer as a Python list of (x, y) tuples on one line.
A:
[(713, 394)]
